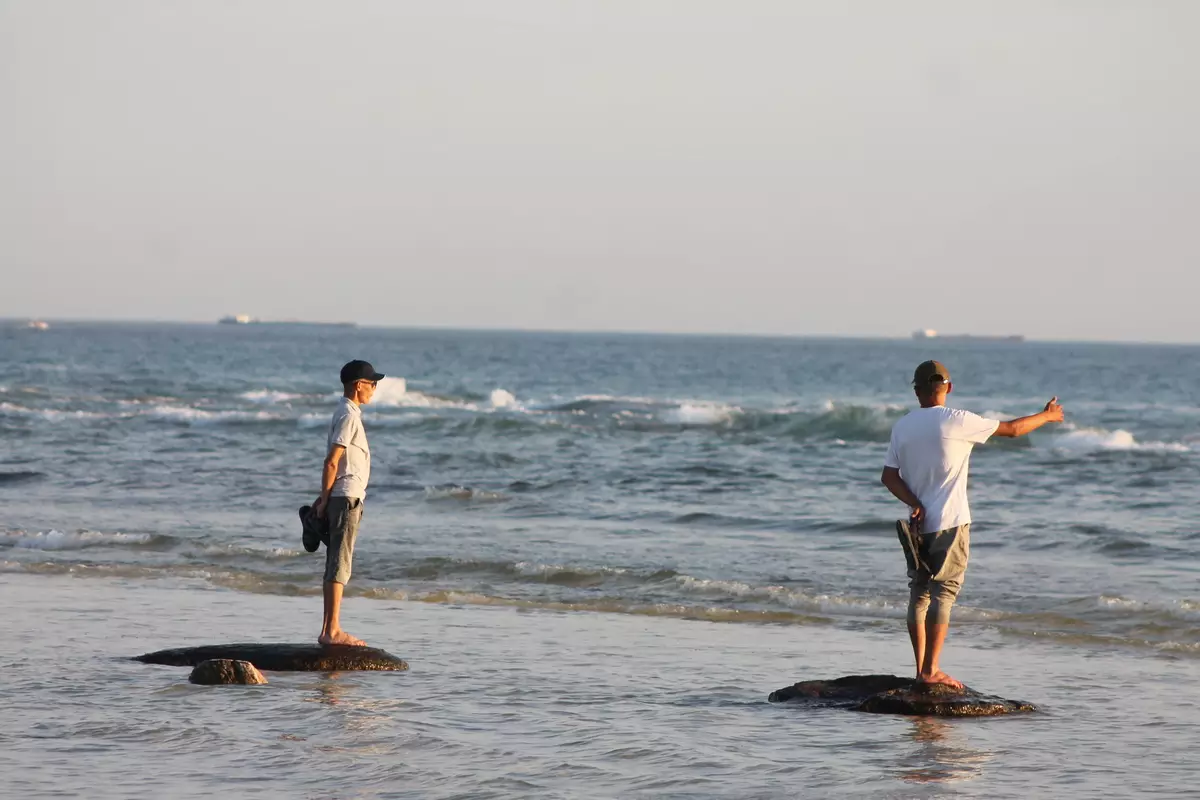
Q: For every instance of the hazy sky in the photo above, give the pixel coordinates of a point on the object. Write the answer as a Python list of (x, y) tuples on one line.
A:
[(834, 167)]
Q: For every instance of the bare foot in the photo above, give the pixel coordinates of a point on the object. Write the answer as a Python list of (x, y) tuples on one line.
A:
[(340, 637), (942, 678)]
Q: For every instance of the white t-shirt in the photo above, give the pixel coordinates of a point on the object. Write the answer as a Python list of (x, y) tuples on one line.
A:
[(932, 447), (354, 469)]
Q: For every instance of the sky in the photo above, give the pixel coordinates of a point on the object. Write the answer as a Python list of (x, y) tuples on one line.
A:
[(843, 168)]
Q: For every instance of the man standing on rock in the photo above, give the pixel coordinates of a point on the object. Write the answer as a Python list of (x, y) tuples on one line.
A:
[(926, 468), (343, 489)]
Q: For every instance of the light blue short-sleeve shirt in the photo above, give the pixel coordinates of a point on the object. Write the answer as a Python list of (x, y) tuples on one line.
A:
[(354, 468)]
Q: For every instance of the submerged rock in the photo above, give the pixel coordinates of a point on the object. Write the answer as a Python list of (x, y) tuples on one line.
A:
[(226, 671), (890, 694), (282, 657)]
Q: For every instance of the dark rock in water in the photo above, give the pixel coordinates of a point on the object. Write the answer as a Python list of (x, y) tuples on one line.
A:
[(226, 671), (840, 692), (889, 694), (282, 657)]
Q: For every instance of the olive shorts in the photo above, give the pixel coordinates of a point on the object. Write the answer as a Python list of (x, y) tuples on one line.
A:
[(344, 514), (936, 572)]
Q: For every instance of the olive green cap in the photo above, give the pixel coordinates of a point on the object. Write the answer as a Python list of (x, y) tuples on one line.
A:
[(930, 372)]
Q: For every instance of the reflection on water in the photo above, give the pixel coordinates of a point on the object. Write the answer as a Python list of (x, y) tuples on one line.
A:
[(941, 753), (331, 689), (351, 704)]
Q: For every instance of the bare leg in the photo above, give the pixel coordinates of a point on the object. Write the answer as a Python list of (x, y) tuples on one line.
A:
[(331, 626), (930, 672), (916, 633)]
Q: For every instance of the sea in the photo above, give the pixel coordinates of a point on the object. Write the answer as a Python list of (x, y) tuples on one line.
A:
[(599, 553)]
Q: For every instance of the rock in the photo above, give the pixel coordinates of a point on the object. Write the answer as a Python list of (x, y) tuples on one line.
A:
[(890, 694), (226, 671), (282, 657)]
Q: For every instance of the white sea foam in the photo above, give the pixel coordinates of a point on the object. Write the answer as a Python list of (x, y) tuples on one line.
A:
[(58, 540), (394, 393), (700, 414), (390, 392), (789, 598), (454, 492), (49, 414), (1093, 440), (268, 396), (501, 398), (244, 550), (533, 569), (199, 416)]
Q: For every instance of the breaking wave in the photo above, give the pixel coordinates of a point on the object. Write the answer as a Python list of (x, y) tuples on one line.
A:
[(1081, 441)]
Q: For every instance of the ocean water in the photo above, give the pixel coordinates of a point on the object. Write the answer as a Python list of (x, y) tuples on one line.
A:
[(599, 554)]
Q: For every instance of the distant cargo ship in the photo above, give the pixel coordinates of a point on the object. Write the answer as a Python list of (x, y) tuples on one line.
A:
[(929, 333), (246, 319)]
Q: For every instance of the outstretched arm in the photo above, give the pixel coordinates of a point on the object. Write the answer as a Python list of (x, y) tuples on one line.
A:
[(1053, 412), (896, 485)]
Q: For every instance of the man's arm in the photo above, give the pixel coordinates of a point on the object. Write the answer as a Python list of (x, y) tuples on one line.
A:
[(896, 485), (328, 476), (1053, 412)]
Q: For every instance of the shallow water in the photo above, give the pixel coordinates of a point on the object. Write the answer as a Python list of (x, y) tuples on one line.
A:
[(599, 554), (504, 703)]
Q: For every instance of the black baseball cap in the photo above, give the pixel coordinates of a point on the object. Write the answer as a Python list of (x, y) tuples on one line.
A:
[(930, 372), (359, 371)]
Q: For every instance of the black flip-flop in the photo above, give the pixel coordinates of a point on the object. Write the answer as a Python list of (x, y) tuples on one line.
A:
[(316, 529)]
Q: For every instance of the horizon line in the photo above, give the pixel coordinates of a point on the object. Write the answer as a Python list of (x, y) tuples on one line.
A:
[(952, 337)]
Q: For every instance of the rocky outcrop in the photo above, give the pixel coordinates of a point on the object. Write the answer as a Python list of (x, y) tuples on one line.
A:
[(224, 671), (889, 694), (282, 657)]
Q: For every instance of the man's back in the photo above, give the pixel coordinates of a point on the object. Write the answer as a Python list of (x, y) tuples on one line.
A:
[(932, 447)]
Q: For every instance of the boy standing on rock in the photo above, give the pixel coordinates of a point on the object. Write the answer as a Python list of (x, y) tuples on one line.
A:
[(926, 468), (343, 489)]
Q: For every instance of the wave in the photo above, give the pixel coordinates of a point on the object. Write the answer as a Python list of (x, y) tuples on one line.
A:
[(714, 520), (395, 393), (81, 540), (613, 606), (199, 416), (1106, 621), (242, 551), (20, 476), (48, 414), (836, 422), (830, 420), (627, 581), (397, 404), (1081, 441), (451, 491), (269, 396)]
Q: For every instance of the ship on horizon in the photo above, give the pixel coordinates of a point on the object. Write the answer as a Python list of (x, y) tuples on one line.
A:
[(246, 319), (929, 333)]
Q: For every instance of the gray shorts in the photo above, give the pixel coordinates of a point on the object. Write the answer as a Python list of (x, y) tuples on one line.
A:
[(344, 514), (935, 581)]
